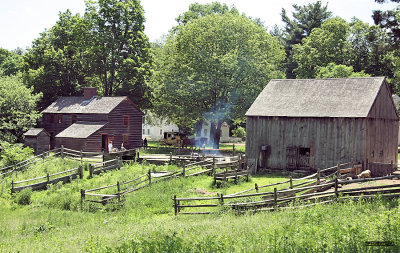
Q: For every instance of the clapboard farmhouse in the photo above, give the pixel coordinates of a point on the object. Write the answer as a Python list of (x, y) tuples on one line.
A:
[(311, 124), (89, 123)]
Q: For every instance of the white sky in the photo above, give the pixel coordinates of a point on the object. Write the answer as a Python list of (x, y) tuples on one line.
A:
[(21, 21)]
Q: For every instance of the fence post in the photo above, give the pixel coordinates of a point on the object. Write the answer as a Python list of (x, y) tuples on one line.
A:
[(91, 170), (318, 176), (175, 206), (213, 165), (391, 167), (82, 197), (256, 187), (233, 149), (149, 175), (275, 197), (62, 151), (170, 157), (336, 188), (236, 176), (12, 186), (221, 199), (226, 172), (291, 182), (119, 190), (48, 177), (184, 170), (81, 154), (338, 171), (80, 171)]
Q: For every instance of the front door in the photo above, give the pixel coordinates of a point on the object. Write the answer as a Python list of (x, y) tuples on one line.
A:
[(104, 143)]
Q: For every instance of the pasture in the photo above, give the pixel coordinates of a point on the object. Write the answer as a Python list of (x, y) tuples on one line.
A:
[(54, 221)]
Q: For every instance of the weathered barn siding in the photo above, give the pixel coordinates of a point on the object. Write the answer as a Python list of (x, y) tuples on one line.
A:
[(39, 143), (331, 140), (75, 144), (336, 120), (382, 129)]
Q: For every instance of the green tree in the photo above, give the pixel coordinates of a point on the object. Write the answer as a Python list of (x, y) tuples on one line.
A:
[(323, 46), (17, 107), (10, 61), (305, 19), (119, 51), (213, 69), (338, 71), (197, 10), (390, 21), (55, 65)]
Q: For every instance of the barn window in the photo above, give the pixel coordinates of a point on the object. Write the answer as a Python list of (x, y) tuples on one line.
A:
[(60, 119), (73, 118), (126, 120), (304, 151), (125, 140)]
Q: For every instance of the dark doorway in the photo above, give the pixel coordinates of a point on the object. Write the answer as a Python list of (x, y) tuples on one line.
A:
[(104, 142), (304, 157)]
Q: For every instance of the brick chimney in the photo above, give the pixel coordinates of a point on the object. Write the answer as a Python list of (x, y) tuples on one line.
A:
[(89, 92)]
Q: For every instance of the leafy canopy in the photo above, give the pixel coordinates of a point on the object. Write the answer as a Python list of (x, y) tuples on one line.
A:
[(213, 69), (17, 107)]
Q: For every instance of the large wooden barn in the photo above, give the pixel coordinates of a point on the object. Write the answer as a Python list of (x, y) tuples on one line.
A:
[(90, 123), (310, 124)]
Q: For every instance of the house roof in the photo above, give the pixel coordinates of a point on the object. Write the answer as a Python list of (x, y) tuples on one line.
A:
[(96, 105), (333, 97), (81, 130), (35, 132)]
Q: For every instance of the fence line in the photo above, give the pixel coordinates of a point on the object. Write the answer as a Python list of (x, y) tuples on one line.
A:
[(43, 184), (310, 190)]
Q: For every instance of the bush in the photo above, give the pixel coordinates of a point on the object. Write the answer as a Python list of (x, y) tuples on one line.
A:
[(239, 132), (24, 197), (14, 153)]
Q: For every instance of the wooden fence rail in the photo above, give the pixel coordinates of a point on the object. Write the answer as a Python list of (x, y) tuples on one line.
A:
[(311, 190), (42, 185)]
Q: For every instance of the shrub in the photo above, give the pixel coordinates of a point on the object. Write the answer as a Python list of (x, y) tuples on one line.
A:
[(14, 153), (239, 132), (24, 197)]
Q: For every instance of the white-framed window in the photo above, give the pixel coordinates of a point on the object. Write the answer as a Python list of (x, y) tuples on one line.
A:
[(148, 131), (160, 131), (205, 132), (144, 132)]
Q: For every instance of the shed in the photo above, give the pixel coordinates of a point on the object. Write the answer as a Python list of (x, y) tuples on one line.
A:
[(38, 139), (317, 123)]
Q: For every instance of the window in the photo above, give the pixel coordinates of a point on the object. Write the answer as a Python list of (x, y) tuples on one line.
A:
[(125, 140), (51, 118), (160, 131), (126, 120), (60, 119), (73, 118), (148, 131), (144, 120), (144, 131), (205, 132)]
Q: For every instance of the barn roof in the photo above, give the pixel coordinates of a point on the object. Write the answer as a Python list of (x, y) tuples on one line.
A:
[(95, 105), (333, 97), (81, 130), (35, 132)]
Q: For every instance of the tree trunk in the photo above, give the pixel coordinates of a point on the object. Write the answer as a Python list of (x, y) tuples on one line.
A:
[(215, 133)]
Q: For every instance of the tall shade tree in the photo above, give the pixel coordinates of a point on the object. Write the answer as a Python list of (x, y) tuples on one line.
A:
[(323, 46), (55, 65), (305, 19), (338, 71), (390, 21), (10, 61), (119, 50), (17, 107), (213, 68)]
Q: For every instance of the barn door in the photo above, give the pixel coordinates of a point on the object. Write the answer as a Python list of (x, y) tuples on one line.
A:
[(304, 157), (104, 142), (292, 157)]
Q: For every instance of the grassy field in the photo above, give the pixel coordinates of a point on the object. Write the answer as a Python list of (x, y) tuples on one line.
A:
[(52, 220)]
